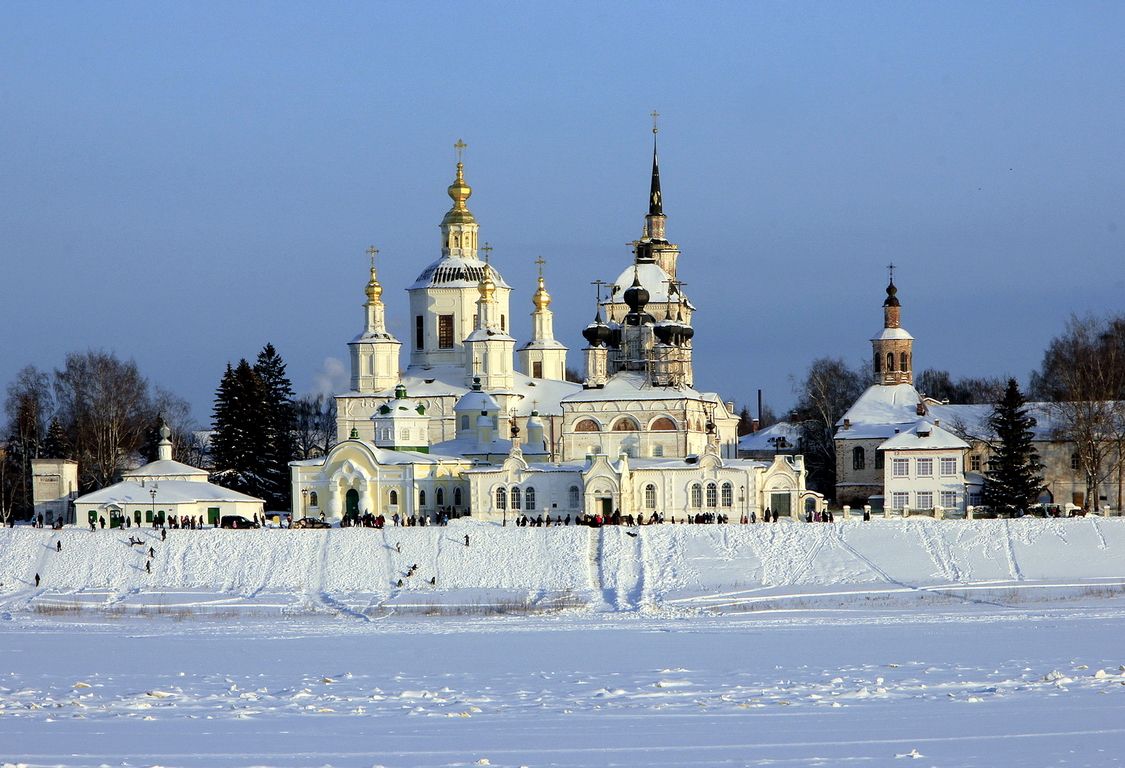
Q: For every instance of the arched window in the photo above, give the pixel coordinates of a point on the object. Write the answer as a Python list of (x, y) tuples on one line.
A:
[(529, 498), (728, 495), (313, 499), (456, 497), (503, 323), (650, 496), (625, 424), (587, 425), (440, 496), (574, 497), (663, 424), (501, 498), (904, 362), (421, 498), (394, 498), (859, 459), (712, 495), (697, 495), (515, 498), (890, 361), (878, 363)]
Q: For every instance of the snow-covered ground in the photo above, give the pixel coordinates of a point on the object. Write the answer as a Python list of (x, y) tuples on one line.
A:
[(888, 643)]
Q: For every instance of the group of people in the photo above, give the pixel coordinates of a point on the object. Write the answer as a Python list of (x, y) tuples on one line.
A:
[(38, 522)]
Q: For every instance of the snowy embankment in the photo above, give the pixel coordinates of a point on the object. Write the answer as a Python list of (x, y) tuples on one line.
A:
[(358, 571)]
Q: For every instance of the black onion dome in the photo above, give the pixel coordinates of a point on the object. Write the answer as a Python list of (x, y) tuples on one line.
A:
[(892, 297), (687, 332), (636, 295), (597, 333), (665, 330)]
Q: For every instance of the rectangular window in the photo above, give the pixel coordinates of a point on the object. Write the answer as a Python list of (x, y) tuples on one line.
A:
[(445, 331), (899, 500), (949, 499), (537, 369), (900, 467), (925, 500), (949, 466), (974, 499), (879, 459), (974, 462), (419, 332), (925, 467)]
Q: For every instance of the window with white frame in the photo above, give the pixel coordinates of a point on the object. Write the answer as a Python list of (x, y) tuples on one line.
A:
[(728, 495), (900, 467), (650, 496), (974, 462), (948, 499), (899, 500), (697, 495), (925, 499), (948, 466), (925, 467), (712, 495)]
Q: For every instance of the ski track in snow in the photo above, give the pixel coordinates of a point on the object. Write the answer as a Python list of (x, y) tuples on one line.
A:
[(1010, 551)]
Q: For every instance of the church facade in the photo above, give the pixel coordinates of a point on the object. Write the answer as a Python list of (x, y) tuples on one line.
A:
[(477, 422)]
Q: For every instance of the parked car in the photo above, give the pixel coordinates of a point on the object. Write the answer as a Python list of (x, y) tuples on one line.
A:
[(236, 521), (311, 522)]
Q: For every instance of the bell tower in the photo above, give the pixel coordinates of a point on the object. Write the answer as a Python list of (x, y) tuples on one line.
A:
[(893, 348), (543, 357), (374, 351)]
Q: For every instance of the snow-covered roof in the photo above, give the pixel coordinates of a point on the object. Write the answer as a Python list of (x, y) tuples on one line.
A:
[(167, 492), (449, 381), (634, 385), (924, 435), (166, 469), (761, 440), (882, 404), (891, 333), (476, 400), (456, 272)]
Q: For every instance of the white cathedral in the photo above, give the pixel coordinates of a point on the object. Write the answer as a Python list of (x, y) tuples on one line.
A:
[(475, 425)]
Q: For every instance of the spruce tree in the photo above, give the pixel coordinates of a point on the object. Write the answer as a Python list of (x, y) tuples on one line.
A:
[(237, 444), (1014, 478), (279, 425), (55, 445)]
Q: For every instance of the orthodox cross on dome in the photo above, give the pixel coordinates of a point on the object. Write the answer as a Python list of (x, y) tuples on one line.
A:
[(372, 251), (598, 288), (891, 271), (487, 248), (655, 117), (460, 147), (540, 261)]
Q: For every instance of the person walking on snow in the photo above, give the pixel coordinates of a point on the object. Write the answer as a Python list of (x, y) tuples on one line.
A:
[(466, 539), (37, 581), (151, 552), (58, 546), (148, 566), (163, 534)]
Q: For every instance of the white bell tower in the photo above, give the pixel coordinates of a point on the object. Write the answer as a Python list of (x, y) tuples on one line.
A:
[(374, 352)]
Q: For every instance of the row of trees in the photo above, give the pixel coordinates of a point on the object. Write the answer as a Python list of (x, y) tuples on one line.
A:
[(97, 410)]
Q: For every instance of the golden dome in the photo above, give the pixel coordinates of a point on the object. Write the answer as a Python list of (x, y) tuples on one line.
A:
[(374, 290), (541, 299), (487, 285), (459, 192)]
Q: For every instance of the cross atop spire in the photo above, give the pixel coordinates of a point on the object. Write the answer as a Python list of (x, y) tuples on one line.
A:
[(891, 271), (655, 199), (372, 251), (487, 248), (655, 116), (460, 147), (540, 261)]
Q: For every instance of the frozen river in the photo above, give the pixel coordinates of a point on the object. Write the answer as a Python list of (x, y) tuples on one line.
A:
[(965, 684)]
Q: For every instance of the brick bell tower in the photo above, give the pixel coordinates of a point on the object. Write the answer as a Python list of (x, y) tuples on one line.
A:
[(893, 348)]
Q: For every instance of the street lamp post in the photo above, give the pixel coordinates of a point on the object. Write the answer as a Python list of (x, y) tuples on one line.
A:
[(304, 502), (152, 494)]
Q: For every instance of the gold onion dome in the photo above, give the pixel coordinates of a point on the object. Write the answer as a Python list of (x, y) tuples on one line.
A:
[(487, 285), (459, 192), (374, 290), (541, 299)]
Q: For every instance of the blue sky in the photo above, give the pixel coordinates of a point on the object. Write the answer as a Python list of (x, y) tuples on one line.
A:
[(182, 183)]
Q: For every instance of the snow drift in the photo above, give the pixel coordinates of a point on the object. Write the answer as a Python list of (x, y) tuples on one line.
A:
[(607, 568)]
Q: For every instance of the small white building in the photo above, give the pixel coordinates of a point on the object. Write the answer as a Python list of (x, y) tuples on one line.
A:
[(162, 490), (54, 482), (924, 469)]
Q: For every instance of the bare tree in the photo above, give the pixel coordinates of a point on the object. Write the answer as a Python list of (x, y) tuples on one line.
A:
[(28, 406), (176, 412), (316, 425), (828, 390), (104, 407), (1083, 375)]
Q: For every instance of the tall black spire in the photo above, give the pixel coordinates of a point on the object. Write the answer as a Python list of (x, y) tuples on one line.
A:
[(655, 199)]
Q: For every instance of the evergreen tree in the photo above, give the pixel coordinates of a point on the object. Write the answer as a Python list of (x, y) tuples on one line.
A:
[(55, 445), (279, 426), (1014, 478), (237, 443), (745, 422)]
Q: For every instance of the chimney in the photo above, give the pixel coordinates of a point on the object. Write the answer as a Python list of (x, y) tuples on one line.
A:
[(755, 425), (848, 424)]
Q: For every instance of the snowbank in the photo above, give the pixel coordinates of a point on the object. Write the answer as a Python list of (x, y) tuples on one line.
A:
[(606, 568)]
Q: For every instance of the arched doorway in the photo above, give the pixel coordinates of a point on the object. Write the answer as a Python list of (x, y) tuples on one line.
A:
[(351, 503)]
